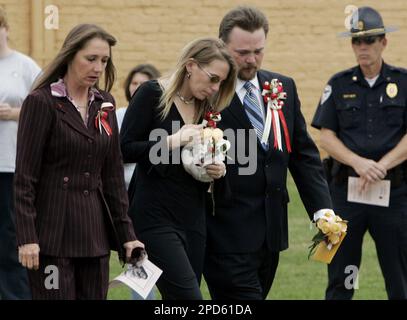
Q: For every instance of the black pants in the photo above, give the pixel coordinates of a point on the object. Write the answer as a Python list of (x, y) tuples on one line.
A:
[(180, 255), (388, 228), (13, 276), (246, 276), (70, 278)]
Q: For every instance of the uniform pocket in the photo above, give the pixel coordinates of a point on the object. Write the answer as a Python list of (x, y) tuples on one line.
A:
[(350, 115), (393, 110)]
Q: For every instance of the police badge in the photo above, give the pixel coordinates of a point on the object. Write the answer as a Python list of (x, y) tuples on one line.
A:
[(391, 90)]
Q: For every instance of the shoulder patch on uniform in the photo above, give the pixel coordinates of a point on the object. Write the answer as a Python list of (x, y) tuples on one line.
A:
[(326, 94)]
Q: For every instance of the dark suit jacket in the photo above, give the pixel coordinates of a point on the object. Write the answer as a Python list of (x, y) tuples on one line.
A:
[(70, 195), (256, 211)]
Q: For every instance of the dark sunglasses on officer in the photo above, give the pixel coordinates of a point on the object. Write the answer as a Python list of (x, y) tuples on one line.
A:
[(366, 40)]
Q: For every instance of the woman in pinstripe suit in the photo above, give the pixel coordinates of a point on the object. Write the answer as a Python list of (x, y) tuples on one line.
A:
[(70, 197)]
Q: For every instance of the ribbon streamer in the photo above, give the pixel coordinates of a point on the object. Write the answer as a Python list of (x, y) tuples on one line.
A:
[(101, 118), (286, 133), (273, 119)]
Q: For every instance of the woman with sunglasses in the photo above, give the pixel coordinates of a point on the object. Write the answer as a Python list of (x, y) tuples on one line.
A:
[(168, 203)]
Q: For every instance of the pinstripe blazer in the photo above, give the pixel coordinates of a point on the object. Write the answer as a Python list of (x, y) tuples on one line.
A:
[(69, 190)]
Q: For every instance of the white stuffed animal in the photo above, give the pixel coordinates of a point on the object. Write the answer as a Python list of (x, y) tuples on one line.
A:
[(211, 149)]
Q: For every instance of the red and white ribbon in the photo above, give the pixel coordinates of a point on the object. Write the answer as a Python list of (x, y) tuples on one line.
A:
[(274, 95), (101, 121), (211, 118)]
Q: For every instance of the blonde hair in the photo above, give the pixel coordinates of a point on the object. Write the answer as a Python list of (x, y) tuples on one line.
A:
[(203, 51), (76, 40)]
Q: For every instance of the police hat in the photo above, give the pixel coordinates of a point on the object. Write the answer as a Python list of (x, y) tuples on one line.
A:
[(365, 22)]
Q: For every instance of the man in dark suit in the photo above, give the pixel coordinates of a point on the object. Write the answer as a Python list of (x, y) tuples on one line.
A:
[(247, 231)]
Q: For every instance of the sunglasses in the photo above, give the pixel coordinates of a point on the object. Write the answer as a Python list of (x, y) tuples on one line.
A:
[(213, 78), (365, 40)]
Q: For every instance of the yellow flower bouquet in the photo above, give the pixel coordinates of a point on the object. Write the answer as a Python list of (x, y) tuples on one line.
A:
[(332, 230)]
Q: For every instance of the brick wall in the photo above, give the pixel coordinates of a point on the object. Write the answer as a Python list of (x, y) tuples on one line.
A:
[(18, 13), (302, 42)]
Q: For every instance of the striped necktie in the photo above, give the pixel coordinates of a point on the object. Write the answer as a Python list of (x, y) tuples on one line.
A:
[(253, 110)]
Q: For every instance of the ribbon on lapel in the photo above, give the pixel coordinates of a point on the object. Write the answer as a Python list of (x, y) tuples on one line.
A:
[(101, 121)]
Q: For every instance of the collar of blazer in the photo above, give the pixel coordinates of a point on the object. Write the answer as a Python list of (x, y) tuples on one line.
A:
[(71, 116)]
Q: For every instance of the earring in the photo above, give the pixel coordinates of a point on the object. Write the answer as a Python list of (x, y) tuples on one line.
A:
[(188, 75)]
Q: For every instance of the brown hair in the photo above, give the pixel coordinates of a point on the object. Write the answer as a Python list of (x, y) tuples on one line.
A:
[(76, 40), (203, 51), (148, 69), (3, 19), (245, 17)]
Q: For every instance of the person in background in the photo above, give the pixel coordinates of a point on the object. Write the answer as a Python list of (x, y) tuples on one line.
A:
[(168, 206), (362, 116), (17, 74), (70, 198), (137, 76)]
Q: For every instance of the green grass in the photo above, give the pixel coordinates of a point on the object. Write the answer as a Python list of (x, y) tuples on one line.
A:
[(297, 277)]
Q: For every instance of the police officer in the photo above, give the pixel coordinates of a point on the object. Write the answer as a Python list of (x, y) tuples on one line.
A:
[(362, 115)]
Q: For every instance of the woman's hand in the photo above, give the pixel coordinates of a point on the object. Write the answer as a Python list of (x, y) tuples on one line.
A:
[(216, 170), (133, 245), (187, 133), (29, 255)]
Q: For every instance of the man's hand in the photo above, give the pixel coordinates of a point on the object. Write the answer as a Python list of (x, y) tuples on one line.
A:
[(29, 255), (369, 170)]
